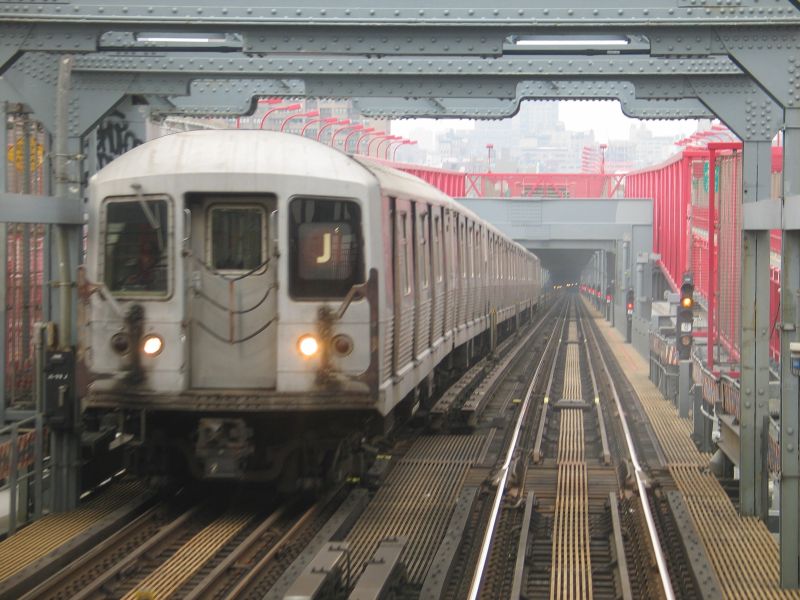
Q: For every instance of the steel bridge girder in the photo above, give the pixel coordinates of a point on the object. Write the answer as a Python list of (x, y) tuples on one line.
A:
[(446, 13)]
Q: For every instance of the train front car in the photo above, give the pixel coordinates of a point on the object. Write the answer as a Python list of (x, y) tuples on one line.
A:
[(231, 303)]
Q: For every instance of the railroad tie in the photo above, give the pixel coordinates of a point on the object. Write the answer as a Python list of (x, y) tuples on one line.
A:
[(176, 571), (571, 567)]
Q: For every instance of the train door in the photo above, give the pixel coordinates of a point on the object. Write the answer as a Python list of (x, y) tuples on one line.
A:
[(483, 271), (231, 299), (463, 290), (469, 251), (422, 262), (403, 285), (438, 280), (450, 270)]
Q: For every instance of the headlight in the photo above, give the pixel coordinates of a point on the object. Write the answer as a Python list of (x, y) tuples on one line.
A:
[(342, 344), (120, 343), (308, 345), (152, 344)]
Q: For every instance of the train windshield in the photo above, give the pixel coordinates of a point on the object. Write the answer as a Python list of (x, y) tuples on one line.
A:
[(325, 247), (237, 237), (136, 247)]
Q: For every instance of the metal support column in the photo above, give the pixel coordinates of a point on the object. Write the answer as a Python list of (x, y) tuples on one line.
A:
[(626, 265), (3, 277), (65, 443), (638, 292), (698, 419), (755, 333), (684, 388), (790, 396)]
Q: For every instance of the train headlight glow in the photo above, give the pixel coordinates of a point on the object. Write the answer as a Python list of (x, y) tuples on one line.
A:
[(152, 345), (308, 345)]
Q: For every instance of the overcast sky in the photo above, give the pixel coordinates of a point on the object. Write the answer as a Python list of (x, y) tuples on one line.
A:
[(605, 117)]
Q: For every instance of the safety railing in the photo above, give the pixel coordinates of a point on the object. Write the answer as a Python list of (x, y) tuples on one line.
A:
[(708, 382), (22, 467), (664, 366), (724, 393), (730, 395)]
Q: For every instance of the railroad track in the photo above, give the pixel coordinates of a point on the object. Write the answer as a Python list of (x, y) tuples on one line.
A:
[(535, 496), (569, 535), (214, 549)]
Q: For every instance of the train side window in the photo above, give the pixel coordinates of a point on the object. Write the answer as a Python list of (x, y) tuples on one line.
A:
[(325, 247), (137, 247), (237, 237)]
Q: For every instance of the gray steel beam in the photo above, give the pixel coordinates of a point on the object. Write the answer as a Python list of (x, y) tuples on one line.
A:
[(749, 111), (755, 334), (29, 208), (100, 82), (790, 391), (515, 67), (452, 13), (771, 57), (624, 91), (3, 272)]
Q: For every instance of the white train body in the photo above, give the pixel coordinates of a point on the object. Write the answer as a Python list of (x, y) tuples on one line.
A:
[(231, 246)]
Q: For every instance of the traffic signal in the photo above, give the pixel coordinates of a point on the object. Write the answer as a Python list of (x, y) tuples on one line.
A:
[(629, 304), (685, 318)]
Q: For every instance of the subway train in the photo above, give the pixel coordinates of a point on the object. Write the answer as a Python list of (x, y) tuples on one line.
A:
[(254, 304)]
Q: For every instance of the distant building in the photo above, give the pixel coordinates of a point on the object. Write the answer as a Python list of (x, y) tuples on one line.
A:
[(535, 141)]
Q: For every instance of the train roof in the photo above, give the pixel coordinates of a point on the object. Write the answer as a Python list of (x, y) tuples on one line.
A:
[(226, 151), (245, 152)]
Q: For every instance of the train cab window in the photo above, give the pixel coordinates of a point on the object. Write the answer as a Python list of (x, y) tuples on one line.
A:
[(325, 247), (237, 237), (137, 247)]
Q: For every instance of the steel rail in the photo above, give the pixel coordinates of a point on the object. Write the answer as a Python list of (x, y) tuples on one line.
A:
[(537, 448), (126, 563), (477, 578), (639, 473), (256, 570), (596, 392)]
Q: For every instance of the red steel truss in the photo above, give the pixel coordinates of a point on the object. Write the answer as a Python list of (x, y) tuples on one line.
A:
[(692, 189)]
